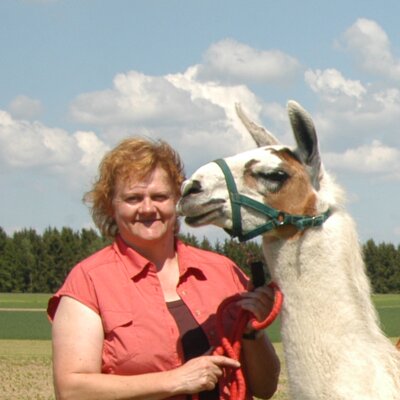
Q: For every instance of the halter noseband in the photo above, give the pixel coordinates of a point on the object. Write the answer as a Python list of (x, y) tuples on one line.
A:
[(277, 217)]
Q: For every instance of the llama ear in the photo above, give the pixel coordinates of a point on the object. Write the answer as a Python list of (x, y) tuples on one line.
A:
[(307, 141), (261, 136)]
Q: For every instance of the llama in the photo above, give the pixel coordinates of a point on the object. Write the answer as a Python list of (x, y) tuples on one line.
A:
[(333, 345)]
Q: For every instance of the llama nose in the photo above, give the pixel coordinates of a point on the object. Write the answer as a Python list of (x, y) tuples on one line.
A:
[(191, 187)]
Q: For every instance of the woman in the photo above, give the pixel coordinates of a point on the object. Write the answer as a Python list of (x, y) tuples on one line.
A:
[(136, 320)]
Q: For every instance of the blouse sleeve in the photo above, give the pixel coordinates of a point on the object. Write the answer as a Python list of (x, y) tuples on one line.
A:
[(77, 285)]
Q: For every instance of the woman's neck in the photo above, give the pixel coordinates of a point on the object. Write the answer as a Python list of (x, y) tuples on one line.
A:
[(157, 252), (163, 255), (168, 275)]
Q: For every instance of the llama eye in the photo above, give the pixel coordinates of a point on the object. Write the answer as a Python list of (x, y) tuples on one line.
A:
[(274, 176)]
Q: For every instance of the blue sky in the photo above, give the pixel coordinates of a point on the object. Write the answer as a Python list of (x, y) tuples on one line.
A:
[(77, 76)]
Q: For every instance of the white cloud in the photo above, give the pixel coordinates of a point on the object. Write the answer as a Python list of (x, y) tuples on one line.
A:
[(92, 148), (195, 112), (375, 158), (331, 85), (26, 144), (221, 96), (24, 107), (351, 112), (188, 109), (140, 99), (198, 117), (233, 62), (371, 46), (176, 107), (29, 144)]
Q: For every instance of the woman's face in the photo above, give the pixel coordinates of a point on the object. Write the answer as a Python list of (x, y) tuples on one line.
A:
[(144, 211)]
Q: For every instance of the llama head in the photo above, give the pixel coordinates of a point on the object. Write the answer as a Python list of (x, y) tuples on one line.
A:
[(278, 177)]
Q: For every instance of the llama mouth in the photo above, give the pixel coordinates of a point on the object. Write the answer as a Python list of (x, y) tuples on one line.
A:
[(205, 218), (200, 214)]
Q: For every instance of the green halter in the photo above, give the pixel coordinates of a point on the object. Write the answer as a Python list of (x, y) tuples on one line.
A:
[(277, 218)]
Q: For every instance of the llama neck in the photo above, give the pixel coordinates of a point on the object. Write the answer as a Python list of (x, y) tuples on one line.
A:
[(324, 263), (328, 320)]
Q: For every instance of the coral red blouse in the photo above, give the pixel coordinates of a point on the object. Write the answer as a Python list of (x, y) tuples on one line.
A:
[(140, 334)]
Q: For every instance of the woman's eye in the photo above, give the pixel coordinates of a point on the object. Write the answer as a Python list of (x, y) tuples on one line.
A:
[(132, 199), (160, 197)]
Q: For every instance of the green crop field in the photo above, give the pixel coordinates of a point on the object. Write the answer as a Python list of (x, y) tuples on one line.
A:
[(25, 347), (388, 306), (30, 322), (24, 300), (22, 316)]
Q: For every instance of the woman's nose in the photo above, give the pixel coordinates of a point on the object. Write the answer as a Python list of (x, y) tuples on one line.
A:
[(146, 205)]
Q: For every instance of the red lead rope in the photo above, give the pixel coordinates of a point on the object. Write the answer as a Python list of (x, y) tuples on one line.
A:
[(231, 343)]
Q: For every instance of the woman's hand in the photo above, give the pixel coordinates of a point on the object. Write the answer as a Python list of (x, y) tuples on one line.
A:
[(201, 373), (259, 302)]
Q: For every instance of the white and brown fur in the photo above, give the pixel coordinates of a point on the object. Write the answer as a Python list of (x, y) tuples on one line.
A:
[(333, 345)]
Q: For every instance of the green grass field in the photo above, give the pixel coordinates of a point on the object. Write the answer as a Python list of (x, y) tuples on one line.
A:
[(31, 322), (23, 317), (388, 306), (24, 300), (25, 347)]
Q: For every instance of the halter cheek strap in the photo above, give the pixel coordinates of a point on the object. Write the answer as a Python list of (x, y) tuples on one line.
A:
[(276, 217)]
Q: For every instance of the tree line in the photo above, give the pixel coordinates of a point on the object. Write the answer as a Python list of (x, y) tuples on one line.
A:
[(39, 263)]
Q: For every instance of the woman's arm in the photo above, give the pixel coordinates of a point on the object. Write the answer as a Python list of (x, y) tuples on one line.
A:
[(261, 366), (77, 349)]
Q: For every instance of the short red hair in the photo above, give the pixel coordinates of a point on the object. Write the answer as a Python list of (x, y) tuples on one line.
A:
[(134, 157)]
